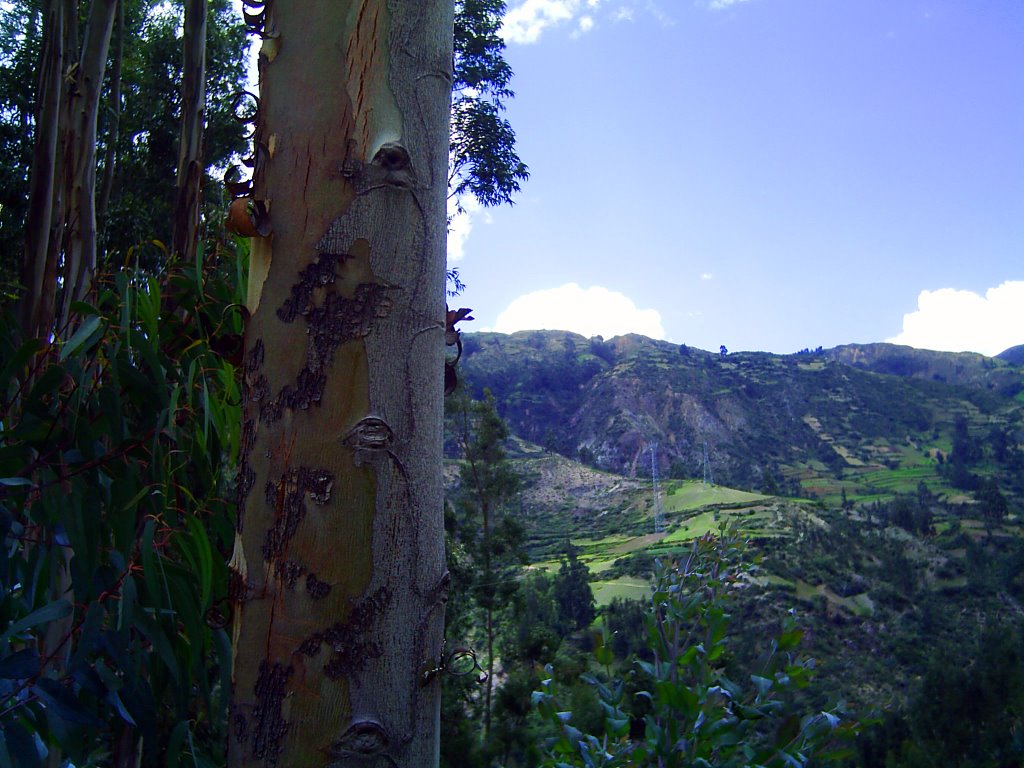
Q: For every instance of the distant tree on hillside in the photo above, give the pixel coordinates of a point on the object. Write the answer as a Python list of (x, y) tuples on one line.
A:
[(999, 444), (573, 593), (966, 449), (993, 504), (487, 483)]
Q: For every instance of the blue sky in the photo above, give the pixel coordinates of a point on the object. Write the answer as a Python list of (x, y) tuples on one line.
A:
[(763, 174)]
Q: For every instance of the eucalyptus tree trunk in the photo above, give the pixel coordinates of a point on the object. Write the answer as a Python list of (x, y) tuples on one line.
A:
[(114, 131), (338, 574), (84, 94), (60, 231), (185, 234), (38, 273)]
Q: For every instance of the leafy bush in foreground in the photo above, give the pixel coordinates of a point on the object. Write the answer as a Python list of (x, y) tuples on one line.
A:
[(116, 448), (695, 714)]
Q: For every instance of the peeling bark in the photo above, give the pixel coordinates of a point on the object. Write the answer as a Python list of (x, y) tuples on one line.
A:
[(338, 576)]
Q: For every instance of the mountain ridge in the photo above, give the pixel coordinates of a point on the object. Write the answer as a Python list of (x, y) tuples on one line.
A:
[(811, 421)]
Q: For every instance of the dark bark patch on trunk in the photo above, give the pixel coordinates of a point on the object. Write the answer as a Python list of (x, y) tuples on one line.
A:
[(333, 318), (240, 727), (269, 726), (347, 640), (289, 572), (287, 497), (238, 587), (246, 480), (341, 318), (317, 275), (255, 388), (315, 588)]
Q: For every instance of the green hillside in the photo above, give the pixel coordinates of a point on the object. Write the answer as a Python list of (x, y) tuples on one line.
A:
[(870, 582), (880, 487)]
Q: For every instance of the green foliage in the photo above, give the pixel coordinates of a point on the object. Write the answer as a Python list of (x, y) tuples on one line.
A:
[(483, 158), (993, 504), (971, 712), (694, 714), (19, 55), (486, 476), (117, 451)]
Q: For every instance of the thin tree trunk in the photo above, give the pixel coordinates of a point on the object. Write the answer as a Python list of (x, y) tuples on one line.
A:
[(35, 308), (80, 235), (114, 131), (185, 235), (338, 575), (63, 173)]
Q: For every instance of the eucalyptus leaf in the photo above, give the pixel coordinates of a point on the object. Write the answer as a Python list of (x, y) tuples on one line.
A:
[(21, 744), (64, 704), (50, 612), (85, 336)]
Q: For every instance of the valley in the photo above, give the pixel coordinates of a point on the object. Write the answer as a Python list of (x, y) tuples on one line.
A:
[(880, 488)]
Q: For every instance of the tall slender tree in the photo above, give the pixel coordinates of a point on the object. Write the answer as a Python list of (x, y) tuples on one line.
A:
[(185, 234), (38, 272), (487, 483), (78, 249), (339, 577)]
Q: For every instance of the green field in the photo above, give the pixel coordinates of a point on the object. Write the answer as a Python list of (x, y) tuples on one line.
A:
[(693, 495), (696, 526), (903, 480), (856, 605), (627, 587)]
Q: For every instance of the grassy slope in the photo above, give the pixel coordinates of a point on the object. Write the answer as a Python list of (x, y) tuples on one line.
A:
[(867, 594)]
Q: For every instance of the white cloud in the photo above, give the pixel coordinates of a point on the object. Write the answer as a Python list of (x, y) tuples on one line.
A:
[(594, 311), (461, 224), (706, 276), (525, 22), (719, 5), (962, 321)]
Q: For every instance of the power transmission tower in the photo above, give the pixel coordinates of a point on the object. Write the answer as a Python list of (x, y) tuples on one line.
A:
[(659, 523), (708, 477)]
